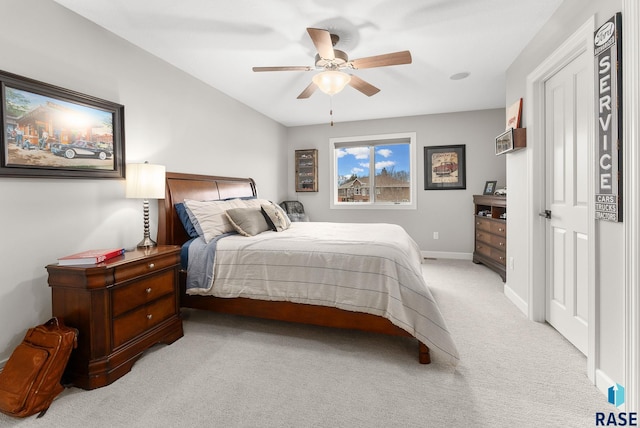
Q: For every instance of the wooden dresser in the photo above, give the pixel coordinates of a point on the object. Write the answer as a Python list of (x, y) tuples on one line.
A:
[(120, 307), (490, 215)]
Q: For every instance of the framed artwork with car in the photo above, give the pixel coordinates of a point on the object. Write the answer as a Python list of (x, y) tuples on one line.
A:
[(445, 167), (50, 131)]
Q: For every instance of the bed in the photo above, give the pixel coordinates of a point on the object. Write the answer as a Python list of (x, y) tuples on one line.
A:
[(342, 311)]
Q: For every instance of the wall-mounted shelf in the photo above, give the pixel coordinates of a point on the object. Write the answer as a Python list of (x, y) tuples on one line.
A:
[(306, 170), (510, 140)]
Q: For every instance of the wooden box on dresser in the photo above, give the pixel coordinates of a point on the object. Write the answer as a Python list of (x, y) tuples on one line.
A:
[(120, 307), (491, 233)]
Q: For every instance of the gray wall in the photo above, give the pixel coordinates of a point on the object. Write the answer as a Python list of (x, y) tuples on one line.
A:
[(571, 15), (448, 212), (170, 118)]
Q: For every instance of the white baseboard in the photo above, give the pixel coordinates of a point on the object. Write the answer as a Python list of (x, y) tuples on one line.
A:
[(603, 382), (516, 300), (446, 255)]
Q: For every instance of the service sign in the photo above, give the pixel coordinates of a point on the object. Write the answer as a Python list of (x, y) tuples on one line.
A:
[(608, 64)]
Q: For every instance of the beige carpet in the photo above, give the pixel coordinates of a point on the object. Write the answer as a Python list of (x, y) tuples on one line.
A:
[(240, 372)]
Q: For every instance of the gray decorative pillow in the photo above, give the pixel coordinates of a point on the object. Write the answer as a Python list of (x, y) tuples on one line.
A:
[(247, 221), (276, 216)]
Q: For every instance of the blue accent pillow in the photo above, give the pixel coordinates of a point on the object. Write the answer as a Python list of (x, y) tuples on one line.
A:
[(242, 198), (181, 209)]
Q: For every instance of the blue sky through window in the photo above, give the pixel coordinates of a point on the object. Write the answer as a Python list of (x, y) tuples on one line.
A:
[(355, 160)]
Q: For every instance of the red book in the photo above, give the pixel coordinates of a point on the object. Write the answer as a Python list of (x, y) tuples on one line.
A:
[(90, 257)]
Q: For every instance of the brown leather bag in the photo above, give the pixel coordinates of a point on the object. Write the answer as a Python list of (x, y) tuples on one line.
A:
[(31, 377)]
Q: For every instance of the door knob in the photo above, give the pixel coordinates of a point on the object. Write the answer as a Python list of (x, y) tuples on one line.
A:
[(545, 214)]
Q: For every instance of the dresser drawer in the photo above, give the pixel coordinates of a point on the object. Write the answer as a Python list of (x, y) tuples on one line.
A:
[(483, 237), (499, 256), (495, 253), (142, 319), (140, 267), (483, 249), (143, 291), (498, 241), (499, 228), (483, 224)]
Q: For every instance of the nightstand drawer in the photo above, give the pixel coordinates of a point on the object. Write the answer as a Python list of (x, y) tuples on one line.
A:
[(141, 292), (144, 266), (142, 319)]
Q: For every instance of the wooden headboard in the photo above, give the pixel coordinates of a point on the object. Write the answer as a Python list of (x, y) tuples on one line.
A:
[(199, 187)]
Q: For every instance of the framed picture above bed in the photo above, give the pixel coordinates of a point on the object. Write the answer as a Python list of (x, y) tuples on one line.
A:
[(54, 132), (445, 167)]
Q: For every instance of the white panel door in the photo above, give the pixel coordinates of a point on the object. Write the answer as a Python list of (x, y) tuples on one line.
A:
[(566, 145)]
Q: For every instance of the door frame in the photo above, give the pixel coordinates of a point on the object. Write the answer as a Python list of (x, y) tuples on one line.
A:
[(576, 44), (631, 134)]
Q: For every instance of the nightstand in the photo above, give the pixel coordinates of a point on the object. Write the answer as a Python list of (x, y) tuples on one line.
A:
[(120, 307)]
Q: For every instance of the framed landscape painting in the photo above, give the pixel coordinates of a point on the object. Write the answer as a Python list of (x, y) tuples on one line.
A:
[(50, 131), (445, 167)]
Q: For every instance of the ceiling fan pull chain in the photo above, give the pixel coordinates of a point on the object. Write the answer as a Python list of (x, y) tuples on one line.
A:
[(331, 109)]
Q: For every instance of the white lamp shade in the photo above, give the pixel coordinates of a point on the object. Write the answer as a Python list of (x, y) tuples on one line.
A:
[(331, 82), (145, 181)]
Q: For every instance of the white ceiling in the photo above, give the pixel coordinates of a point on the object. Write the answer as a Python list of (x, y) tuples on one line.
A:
[(218, 41)]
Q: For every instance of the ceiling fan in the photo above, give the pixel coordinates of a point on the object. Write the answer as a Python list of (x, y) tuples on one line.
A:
[(331, 79)]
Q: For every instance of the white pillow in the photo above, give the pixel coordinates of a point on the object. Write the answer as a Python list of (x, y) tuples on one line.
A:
[(276, 216), (209, 217)]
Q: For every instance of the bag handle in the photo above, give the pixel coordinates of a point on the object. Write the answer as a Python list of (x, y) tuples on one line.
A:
[(54, 322)]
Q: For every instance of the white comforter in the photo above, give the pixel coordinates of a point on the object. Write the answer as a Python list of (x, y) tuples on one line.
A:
[(372, 268)]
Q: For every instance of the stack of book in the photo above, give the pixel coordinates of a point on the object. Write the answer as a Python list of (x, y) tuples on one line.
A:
[(90, 257)]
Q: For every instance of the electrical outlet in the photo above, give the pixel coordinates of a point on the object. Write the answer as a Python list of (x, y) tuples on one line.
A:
[(436, 235), (511, 263)]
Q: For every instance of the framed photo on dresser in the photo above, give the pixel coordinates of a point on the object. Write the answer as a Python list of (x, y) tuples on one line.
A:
[(489, 187)]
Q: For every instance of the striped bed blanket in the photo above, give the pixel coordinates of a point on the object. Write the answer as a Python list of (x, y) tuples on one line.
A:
[(371, 268)]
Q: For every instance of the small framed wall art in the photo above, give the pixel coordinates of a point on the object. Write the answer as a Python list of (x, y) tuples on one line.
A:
[(510, 140), (504, 142)]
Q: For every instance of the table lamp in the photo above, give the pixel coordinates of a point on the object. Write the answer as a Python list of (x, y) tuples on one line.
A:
[(145, 181)]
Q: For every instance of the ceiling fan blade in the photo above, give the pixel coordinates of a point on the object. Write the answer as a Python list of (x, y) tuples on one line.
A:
[(308, 91), (396, 58), (285, 68), (366, 88), (322, 41)]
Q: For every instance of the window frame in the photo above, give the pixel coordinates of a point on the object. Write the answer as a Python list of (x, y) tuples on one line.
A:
[(373, 140)]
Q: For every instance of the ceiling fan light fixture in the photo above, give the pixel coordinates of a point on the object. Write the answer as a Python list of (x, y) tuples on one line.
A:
[(331, 81)]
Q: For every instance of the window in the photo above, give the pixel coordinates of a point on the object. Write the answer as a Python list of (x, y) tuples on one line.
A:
[(375, 171)]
